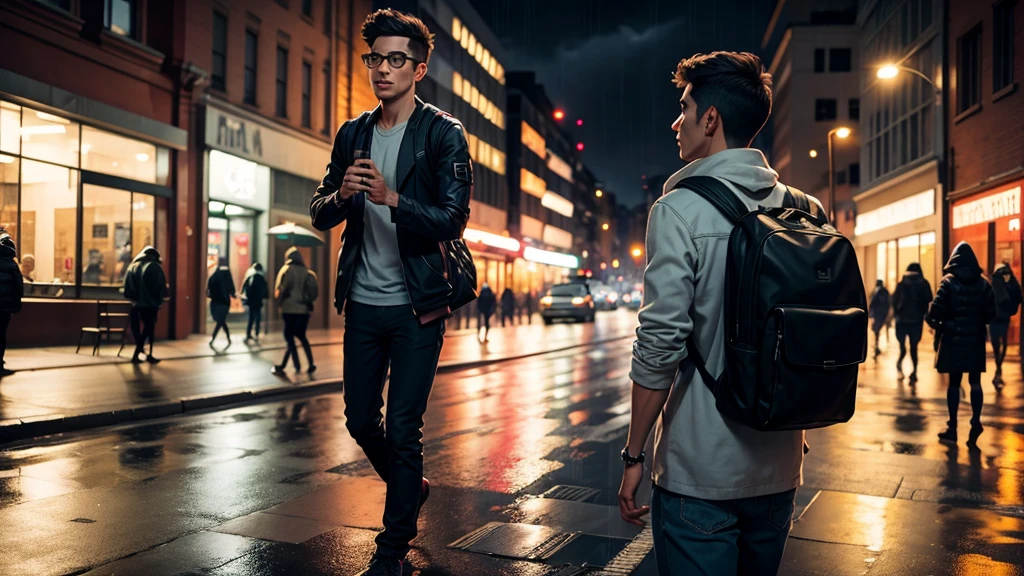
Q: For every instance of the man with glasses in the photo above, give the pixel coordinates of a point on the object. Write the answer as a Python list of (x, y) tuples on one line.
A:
[(392, 283)]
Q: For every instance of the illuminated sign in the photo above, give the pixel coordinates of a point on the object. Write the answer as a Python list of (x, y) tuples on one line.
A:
[(554, 202), (987, 209), (531, 183), (905, 210), (493, 240), (557, 237), (551, 258)]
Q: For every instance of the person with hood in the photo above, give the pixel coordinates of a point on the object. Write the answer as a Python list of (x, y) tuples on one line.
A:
[(878, 309), (12, 288), (486, 302), (296, 289), (254, 291), (963, 305), (1007, 293), (220, 288), (910, 304), (508, 306), (146, 286)]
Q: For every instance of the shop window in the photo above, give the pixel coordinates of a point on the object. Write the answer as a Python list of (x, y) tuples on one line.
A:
[(106, 235), (251, 43), (840, 60), (1002, 44), (10, 127), (49, 227), (118, 156), (9, 167), (121, 17), (45, 136), (220, 50), (968, 73), (927, 258)]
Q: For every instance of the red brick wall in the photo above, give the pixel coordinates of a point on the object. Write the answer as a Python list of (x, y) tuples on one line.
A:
[(989, 142)]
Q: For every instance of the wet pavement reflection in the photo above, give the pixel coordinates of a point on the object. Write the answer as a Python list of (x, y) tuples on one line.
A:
[(280, 488)]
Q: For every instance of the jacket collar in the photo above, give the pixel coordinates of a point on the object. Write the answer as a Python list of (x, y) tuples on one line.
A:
[(406, 152)]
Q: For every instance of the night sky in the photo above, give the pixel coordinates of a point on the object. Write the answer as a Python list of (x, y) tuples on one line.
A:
[(610, 62)]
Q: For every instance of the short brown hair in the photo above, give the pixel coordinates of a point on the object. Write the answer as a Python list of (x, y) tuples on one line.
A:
[(736, 84), (390, 22)]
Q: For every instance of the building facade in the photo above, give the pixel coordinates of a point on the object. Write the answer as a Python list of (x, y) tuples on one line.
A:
[(986, 152), (901, 200)]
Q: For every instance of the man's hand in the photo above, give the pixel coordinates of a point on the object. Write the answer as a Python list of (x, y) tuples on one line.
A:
[(353, 183), (367, 178), (631, 477)]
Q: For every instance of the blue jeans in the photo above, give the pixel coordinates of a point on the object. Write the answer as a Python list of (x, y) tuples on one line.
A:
[(720, 537)]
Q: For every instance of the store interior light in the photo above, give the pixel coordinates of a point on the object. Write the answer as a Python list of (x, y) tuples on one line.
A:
[(232, 210), (551, 258), (4, 159), (51, 118), (216, 207), (492, 240), (142, 157), (43, 129)]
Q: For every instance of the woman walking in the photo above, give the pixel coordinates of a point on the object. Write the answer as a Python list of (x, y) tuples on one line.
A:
[(296, 289), (962, 307), (254, 292), (879, 311), (221, 289)]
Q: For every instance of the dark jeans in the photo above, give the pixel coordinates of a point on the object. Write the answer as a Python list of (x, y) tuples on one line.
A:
[(509, 316), (912, 332), (953, 396), (720, 537), (143, 322), (483, 321), (255, 316), (295, 327), (220, 316), (998, 332), (5, 321), (374, 336)]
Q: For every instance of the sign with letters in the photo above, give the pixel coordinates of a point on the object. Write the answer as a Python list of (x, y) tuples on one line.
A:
[(262, 142), (987, 208)]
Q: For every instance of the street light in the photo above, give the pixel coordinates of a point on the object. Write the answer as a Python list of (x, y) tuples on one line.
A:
[(559, 114), (599, 193), (813, 153), (615, 263), (842, 132), (637, 252), (605, 226)]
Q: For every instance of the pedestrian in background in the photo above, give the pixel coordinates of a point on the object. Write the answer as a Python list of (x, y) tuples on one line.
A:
[(529, 302), (910, 304), (508, 306), (254, 291), (12, 288), (486, 302), (1007, 293), (146, 286), (220, 288), (878, 309), (296, 289), (963, 305)]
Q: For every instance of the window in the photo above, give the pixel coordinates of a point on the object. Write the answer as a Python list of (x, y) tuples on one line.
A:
[(9, 169), (220, 49), (307, 92), (307, 8), (120, 17), (62, 4), (282, 82), (855, 174), (251, 42), (824, 109), (819, 60), (48, 137), (327, 98), (854, 109), (119, 156), (1002, 45), (49, 227), (968, 70), (10, 127), (840, 60)]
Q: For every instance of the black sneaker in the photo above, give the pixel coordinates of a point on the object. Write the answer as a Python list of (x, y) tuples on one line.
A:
[(275, 369), (311, 369), (152, 359), (913, 378), (976, 430), (383, 566), (136, 359), (948, 437)]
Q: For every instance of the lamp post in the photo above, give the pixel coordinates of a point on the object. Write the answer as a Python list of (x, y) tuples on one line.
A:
[(842, 132)]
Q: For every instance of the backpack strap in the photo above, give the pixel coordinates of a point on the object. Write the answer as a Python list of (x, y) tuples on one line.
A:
[(718, 195), (796, 199)]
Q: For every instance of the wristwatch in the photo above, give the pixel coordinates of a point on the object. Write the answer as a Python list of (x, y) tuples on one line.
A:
[(631, 460)]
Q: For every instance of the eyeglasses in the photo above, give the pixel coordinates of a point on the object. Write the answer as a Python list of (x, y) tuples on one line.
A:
[(395, 59)]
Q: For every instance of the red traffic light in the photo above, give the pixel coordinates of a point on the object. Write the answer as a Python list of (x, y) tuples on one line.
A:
[(579, 122), (559, 114), (579, 146)]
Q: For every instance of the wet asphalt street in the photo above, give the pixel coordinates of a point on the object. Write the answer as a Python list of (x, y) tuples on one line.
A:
[(523, 459)]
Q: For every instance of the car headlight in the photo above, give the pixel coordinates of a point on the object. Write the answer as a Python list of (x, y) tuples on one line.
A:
[(578, 301), (613, 297), (546, 301), (627, 298)]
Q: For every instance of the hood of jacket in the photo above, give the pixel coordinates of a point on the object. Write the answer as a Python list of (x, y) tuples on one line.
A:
[(146, 253), (963, 263), (293, 256), (1003, 268), (746, 167), (7, 247)]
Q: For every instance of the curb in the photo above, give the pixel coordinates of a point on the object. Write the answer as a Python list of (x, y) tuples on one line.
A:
[(36, 426)]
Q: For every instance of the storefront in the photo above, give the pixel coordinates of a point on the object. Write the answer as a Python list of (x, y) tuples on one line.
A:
[(990, 221), (80, 201), (898, 224), (259, 175)]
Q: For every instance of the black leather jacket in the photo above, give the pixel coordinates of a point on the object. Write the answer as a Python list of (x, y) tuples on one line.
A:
[(432, 208)]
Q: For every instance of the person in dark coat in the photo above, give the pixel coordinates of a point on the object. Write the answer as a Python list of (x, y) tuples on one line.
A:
[(878, 309), (220, 288), (486, 302), (910, 304), (963, 305), (12, 288), (1007, 293), (146, 286), (254, 291), (508, 306)]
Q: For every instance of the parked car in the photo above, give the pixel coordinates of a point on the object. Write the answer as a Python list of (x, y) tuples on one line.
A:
[(572, 301), (633, 300), (604, 297)]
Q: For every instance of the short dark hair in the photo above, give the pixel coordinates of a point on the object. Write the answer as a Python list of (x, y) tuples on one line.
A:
[(390, 22), (736, 84)]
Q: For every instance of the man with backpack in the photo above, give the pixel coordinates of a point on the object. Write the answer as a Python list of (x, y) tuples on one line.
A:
[(724, 487), (403, 205), (146, 286), (1007, 293), (910, 304)]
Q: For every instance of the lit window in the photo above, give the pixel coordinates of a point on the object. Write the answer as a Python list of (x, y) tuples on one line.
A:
[(479, 52), (533, 140), (474, 98), (492, 68), (467, 89), (464, 40), (47, 137), (472, 44), (118, 156), (456, 28), (457, 84), (486, 62)]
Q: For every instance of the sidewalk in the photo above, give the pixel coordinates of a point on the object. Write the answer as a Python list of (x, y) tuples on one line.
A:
[(55, 395)]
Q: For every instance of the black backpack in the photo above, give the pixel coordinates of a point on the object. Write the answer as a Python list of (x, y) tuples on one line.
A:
[(795, 315)]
